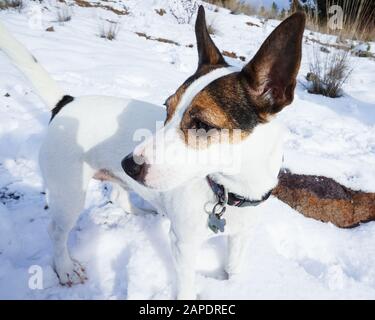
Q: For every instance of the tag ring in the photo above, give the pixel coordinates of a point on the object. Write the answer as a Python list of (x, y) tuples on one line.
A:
[(219, 209)]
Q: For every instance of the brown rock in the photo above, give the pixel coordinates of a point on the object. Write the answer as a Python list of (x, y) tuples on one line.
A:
[(144, 35), (232, 54), (249, 23), (50, 29), (229, 54), (166, 41), (325, 199), (87, 4)]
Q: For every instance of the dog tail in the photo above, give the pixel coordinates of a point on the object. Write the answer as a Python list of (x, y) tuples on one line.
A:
[(45, 86)]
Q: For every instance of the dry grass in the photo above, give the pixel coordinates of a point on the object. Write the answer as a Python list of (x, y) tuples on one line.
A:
[(233, 55), (109, 29), (163, 40), (86, 4), (183, 10), (11, 4), (356, 22), (161, 12), (328, 72), (211, 27), (330, 63)]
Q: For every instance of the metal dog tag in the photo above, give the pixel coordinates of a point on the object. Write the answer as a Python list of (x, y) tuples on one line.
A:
[(216, 223)]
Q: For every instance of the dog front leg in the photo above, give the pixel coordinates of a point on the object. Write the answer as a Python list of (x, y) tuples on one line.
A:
[(237, 245), (184, 251), (238, 241)]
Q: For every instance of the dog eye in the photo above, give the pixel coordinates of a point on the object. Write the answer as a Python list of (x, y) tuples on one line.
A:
[(198, 124)]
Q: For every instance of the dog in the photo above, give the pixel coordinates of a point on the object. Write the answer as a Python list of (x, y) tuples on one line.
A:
[(93, 137)]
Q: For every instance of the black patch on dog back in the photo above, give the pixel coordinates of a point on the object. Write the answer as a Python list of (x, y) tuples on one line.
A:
[(61, 104)]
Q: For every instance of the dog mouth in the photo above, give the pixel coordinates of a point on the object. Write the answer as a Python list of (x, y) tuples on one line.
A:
[(135, 167), (153, 176)]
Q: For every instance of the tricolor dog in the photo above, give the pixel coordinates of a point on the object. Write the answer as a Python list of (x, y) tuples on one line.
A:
[(93, 137)]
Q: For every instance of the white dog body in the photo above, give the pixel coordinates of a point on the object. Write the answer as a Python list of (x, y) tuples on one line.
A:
[(89, 136)]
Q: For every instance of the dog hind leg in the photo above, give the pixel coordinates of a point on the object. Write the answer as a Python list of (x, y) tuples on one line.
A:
[(66, 202)]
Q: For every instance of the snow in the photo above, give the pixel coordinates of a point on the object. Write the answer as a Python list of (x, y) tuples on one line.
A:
[(362, 47), (127, 256)]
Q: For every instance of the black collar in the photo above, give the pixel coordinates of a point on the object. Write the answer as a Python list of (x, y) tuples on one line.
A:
[(234, 199)]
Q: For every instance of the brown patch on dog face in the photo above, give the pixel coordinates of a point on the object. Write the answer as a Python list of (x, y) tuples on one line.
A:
[(172, 101), (226, 104), (245, 99), (205, 109), (205, 122), (223, 104)]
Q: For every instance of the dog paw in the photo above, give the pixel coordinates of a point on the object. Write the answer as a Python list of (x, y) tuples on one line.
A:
[(71, 274)]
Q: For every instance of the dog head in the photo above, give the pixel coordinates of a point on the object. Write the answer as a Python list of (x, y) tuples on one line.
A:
[(218, 121)]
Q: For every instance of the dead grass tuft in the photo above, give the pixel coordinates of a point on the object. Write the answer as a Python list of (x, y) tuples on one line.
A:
[(86, 4), (11, 4), (328, 72), (211, 28), (160, 12), (109, 29), (63, 13)]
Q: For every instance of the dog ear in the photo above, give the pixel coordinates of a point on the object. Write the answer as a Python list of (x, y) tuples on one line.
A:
[(271, 74), (208, 53)]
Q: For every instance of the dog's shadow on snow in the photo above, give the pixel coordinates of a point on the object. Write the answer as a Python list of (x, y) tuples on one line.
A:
[(136, 122)]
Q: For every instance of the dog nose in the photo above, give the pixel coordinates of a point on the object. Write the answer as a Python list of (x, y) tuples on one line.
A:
[(131, 167)]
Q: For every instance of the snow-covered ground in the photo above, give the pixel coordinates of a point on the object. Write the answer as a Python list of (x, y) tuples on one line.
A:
[(127, 256)]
